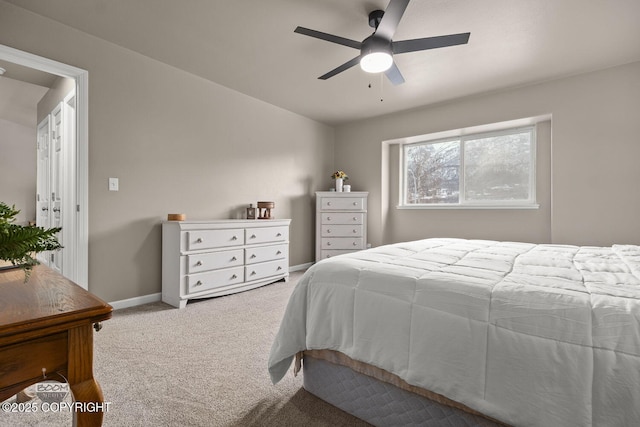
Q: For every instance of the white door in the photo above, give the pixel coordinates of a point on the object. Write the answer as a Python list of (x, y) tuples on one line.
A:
[(55, 184), (42, 180), (56, 155)]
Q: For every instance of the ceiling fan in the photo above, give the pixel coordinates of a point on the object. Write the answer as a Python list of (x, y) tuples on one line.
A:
[(377, 50)]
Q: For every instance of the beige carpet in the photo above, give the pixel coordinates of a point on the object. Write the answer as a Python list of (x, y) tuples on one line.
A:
[(205, 365)]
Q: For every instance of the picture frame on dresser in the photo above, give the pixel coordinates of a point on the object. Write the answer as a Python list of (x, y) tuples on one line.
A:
[(203, 259), (341, 223)]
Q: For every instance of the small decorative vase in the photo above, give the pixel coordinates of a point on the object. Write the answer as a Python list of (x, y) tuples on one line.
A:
[(339, 184)]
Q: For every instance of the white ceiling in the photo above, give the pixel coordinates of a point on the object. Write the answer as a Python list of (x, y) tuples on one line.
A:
[(250, 46)]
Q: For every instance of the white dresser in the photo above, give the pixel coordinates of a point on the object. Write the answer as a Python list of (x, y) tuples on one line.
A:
[(341, 223), (202, 259)]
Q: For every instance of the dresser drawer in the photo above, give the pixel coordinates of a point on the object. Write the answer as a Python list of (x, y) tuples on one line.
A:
[(265, 269), (209, 239), (342, 218), (266, 253), (266, 234), (214, 279), (213, 261), (342, 243), (331, 253), (333, 230), (342, 203)]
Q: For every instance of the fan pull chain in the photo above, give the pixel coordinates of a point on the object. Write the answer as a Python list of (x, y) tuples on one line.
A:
[(381, 87)]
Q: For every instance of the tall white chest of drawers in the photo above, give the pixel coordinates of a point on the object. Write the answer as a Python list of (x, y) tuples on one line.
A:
[(341, 223), (202, 259)]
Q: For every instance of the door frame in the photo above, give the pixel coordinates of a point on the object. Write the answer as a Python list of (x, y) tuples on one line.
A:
[(79, 274)]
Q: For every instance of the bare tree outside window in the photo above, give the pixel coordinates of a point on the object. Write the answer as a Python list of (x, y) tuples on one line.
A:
[(432, 172)]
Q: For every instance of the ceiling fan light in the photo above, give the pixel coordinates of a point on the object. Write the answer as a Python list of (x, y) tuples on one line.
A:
[(376, 62)]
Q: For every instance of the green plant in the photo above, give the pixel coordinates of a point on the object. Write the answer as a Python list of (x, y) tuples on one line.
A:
[(19, 244)]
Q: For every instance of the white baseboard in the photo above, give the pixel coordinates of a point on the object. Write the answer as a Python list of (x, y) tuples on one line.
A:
[(146, 299), (300, 267), (132, 302)]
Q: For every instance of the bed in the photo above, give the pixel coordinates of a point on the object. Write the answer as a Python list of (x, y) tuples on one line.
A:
[(514, 333)]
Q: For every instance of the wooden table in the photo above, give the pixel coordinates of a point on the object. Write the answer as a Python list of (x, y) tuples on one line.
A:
[(47, 323)]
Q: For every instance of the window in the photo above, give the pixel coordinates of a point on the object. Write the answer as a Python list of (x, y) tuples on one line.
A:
[(494, 169)]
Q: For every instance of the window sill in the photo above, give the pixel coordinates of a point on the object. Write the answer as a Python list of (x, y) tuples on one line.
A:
[(469, 206)]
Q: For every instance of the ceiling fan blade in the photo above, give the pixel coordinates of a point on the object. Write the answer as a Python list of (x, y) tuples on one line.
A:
[(391, 18), (328, 37), (414, 45), (341, 68), (394, 75)]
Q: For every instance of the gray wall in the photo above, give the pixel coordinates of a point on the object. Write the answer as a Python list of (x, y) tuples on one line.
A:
[(178, 144), (588, 171), (18, 145), (18, 168)]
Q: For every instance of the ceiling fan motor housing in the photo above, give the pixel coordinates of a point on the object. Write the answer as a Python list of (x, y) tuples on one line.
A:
[(375, 54), (375, 43)]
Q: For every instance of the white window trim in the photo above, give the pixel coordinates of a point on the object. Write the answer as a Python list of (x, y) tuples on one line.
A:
[(465, 134)]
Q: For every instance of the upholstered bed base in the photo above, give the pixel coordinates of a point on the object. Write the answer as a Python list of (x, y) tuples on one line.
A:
[(378, 401)]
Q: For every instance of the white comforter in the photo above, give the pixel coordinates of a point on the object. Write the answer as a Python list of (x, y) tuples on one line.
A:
[(543, 335)]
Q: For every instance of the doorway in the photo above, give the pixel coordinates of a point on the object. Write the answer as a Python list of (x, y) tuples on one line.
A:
[(78, 271)]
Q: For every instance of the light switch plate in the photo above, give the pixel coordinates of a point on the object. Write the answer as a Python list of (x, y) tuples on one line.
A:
[(113, 184)]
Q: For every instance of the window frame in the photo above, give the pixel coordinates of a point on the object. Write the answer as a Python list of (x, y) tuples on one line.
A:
[(462, 137)]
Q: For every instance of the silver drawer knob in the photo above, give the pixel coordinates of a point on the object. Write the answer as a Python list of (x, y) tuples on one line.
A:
[(253, 273), (234, 259), (355, 203), (198, 283), (234, 238), (328, 230), (355, 219), (328, 243), (234, 277), (328, 218), (253, 256), (355, 244), (199, 240), (279, 268), (278, 253), (328, 203), (253, 236), (279, 234), (198, 264)]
